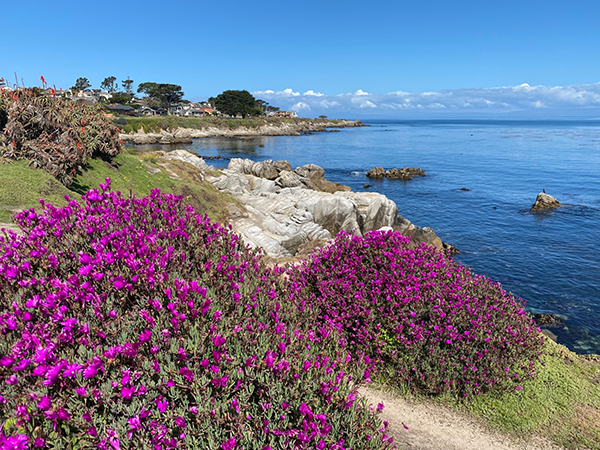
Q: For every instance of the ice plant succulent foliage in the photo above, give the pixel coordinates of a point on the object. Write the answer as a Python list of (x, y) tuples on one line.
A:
[(437, 325), (135, 323), (54, 133)]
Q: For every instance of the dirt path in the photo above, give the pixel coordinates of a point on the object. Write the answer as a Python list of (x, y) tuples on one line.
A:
[(423, 426), (10, 226)]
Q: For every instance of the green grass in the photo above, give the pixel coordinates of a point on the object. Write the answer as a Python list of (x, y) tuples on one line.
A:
[(562, 403), (21, 186)]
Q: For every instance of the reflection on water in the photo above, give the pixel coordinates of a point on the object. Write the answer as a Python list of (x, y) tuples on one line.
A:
[(239, 146)]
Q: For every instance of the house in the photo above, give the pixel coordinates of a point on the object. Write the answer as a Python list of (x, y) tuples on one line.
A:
[(147, 111), (283, 114), (207, 111), (117, 108)]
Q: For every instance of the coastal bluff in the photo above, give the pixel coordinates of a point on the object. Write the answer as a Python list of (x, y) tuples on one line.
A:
[(182, 135), (283, 209)]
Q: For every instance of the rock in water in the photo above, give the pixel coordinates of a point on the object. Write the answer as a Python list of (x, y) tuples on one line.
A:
[(376, 172), (547, 319), (406, 173), (544, 202)]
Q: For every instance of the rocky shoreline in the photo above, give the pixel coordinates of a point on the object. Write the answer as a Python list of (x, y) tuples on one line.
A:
[(284, 210), (185, 135)]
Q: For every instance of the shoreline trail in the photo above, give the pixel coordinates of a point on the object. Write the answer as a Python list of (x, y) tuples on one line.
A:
[(425, 426)]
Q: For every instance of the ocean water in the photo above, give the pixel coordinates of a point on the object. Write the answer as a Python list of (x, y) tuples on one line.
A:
[(551, 260)]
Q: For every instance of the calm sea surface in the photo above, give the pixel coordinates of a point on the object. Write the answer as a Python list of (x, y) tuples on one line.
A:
[(552, 260)]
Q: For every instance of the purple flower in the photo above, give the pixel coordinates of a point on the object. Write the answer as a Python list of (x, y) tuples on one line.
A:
[(18, 442), (127, 392), (63, 414), (269, 359), (81, 391), (145, 336), (12, 380), (118, 283), (162, 405), (6, 361), (180, 422), (135, 423), (22, 365), (22, 412), (71, 370), (218, 340), (219, 382), (186, 373), (305, 410), (45, 403), (229, 444)]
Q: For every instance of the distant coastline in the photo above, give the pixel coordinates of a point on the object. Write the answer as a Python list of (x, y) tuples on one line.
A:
[(177, 130)]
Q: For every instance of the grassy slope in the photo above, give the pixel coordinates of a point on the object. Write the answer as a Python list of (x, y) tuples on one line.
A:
[(22, 186), (562, 403)]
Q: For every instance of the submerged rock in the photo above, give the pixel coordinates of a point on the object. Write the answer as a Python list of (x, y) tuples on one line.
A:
[(544, 202), (547, 319)]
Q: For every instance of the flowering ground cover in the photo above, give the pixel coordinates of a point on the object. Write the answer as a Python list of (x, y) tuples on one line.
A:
[(137, 323), (427, 319)]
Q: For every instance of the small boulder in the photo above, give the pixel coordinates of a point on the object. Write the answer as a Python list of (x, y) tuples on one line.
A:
[(313, 177), (289, 179), (376, 172), (406, 173), (544, 202)]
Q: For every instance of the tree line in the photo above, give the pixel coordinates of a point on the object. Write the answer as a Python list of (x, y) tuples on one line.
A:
[(230, 102)]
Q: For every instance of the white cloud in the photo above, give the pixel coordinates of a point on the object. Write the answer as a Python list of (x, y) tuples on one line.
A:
[(300, 105), (328, 104), (557, 100), (289, 91), (313, 93)]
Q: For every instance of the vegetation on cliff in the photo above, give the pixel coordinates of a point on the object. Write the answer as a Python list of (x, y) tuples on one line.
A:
[(157, 123), (53, 133)]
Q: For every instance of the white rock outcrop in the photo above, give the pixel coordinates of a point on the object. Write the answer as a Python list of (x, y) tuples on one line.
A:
[(290, 208)]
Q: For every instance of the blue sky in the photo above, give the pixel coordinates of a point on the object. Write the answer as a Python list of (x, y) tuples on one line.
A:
[(343, 50)]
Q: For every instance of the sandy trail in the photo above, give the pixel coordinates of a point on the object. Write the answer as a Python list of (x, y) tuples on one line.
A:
[(423, 426)]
